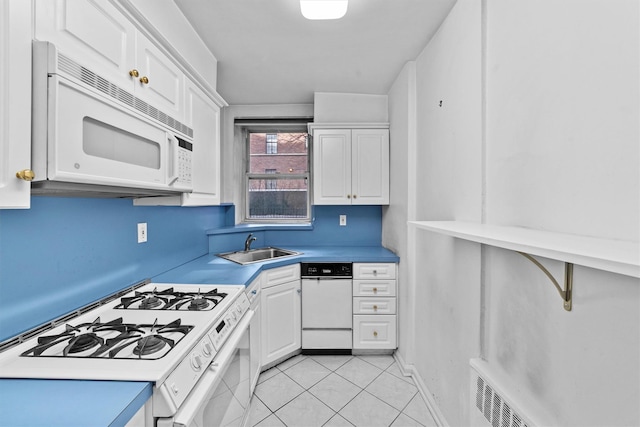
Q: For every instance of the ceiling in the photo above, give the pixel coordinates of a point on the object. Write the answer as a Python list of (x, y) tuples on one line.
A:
[(269, 54)]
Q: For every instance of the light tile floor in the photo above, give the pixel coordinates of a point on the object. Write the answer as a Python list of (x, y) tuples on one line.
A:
[(360, 391)]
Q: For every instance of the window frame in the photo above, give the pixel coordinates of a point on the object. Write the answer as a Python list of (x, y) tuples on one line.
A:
[(274, 127)]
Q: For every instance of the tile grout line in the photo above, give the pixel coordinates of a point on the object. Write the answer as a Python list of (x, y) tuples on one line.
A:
[(333, 370)]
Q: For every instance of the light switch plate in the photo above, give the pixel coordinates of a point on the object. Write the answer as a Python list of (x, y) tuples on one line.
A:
[(142, 232), (343, 220)]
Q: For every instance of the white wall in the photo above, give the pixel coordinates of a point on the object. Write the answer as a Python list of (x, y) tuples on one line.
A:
[(562, 141), (539, 127), (401, 208)]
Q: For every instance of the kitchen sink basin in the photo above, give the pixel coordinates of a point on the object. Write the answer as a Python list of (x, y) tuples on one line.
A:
[(257, 255)]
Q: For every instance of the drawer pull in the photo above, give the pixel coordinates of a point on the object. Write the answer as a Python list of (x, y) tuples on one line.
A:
[(375, 272), (375, 290), (375, 308), (375, 333)]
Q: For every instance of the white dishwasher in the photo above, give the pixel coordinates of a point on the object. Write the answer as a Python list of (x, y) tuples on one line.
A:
[(327, 317)]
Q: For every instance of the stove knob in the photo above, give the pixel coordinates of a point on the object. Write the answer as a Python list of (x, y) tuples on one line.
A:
[(196, 362), (206, 348)]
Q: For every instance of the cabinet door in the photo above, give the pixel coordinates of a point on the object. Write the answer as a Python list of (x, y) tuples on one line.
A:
[(15, 102), (374, 331), (281, 321), (164, 88), (203, 116), (92, 33), (370, 166), (332, 167)]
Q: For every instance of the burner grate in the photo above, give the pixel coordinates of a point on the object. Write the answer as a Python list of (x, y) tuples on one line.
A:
[(113, 339), (169, 299)]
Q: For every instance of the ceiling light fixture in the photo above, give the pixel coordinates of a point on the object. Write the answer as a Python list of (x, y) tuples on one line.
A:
[(323, 9)]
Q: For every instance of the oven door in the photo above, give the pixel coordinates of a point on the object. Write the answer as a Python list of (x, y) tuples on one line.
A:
[(221, 397)]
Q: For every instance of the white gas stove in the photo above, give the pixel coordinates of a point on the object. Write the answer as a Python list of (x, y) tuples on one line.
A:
[(162, 333)]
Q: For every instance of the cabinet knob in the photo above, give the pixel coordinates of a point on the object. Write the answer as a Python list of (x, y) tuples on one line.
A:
[(144, 80), (375, 333), (375, 308), (26, 174), (375, 272), (354, 196), (375, 290), (348, 196), (134, 73)]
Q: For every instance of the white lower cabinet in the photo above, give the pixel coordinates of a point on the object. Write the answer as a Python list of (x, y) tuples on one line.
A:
[(281, 314), (374, 306), (374, 331)]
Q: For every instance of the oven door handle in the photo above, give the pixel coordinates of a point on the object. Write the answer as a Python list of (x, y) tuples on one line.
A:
[(212, 376)]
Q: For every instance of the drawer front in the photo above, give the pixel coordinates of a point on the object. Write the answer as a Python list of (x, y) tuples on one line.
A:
[(374, 271), (370, 332), (374, 305), (374, 288), (280, 275)]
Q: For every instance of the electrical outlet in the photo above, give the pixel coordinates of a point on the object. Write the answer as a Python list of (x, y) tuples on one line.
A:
[(142, 232), (343, 220)]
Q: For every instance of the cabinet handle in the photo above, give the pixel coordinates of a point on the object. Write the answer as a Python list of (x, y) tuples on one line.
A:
[(348, 196), (375, 308), (375, 272), (144, 80), (134, 73), (299, 291), (26, 174), (354, 196), (375, 290), (375, 333)]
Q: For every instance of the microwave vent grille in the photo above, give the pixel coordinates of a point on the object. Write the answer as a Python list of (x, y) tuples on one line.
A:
[(88, 77)]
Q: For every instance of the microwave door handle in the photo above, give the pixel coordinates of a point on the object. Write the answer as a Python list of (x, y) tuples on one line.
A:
[(173, 148)]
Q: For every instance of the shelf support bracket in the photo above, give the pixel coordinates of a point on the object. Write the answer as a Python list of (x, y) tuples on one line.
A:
[(567, 292)]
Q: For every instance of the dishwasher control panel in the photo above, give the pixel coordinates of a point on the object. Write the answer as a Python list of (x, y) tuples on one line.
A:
[(326, 269)]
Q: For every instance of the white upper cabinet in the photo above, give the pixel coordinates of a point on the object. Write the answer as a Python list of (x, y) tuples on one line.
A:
[(332, 167), (351, 166), (96, 35), (15, 103), (159, 82), (203, 115)]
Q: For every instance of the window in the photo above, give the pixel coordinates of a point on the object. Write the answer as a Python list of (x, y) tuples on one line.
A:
[(272, 143), (271, 184), (277, 171)]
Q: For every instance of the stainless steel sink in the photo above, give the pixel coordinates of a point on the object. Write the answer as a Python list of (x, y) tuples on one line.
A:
[(257, 255)]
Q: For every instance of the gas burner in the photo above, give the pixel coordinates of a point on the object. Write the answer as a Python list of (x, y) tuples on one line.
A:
[(114, 339), (150, 344), (149, 300)]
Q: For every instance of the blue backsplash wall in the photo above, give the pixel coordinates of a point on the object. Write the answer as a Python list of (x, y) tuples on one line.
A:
[(64, 253)]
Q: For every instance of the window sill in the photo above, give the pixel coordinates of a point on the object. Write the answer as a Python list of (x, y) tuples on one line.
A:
[(249, 228)]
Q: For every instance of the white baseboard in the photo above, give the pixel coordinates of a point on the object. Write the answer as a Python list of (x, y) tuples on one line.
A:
[(410, 371)]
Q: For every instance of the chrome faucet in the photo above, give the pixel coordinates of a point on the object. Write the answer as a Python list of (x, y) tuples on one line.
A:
[(247, 243)]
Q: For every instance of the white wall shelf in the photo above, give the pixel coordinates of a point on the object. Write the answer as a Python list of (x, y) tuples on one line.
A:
[(616, 256)]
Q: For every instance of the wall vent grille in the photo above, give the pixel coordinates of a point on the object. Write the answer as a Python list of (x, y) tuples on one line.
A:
[(103, 85), (491, 407)]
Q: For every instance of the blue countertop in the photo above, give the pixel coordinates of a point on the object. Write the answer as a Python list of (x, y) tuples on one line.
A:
[(70, 403)]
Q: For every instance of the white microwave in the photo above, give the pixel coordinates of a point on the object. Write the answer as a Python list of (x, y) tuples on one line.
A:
[(92, 135)]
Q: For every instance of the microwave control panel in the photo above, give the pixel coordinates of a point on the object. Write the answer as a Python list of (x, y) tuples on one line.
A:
[(184, 163)]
